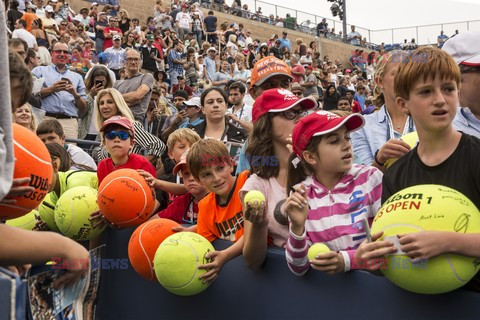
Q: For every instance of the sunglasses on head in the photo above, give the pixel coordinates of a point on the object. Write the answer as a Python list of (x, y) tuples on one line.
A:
[(122, 135)]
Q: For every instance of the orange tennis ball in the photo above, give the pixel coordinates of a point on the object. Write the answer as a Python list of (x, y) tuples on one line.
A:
[(32, 160), (144, 243), (125, 198)]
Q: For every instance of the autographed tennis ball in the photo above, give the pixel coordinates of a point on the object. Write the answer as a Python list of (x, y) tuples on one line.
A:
[(252, 196), (316, 249), (411, 139)]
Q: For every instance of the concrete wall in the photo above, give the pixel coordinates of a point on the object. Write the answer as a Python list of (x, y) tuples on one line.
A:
[(335, 50)]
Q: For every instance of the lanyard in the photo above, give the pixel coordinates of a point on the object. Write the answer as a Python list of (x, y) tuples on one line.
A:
[(390, 130)]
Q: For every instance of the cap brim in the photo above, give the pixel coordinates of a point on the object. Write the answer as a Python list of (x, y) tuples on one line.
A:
[(259, 82), (178, 167), (191, 104), (353, 122), (306, 104), (471, 61)]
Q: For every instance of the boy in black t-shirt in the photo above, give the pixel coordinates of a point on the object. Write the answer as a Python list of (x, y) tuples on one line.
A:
[(426, 88)]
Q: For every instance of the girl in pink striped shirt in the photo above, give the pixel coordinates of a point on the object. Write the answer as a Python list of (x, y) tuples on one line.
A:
[(330, 195)]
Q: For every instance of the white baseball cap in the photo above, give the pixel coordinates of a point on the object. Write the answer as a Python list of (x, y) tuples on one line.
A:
[(464, 48), (49, 9)]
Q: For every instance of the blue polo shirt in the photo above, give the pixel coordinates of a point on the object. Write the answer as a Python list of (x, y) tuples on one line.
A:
[(61, 102), (285, 43)]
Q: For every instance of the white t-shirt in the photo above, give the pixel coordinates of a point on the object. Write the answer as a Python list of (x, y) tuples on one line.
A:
[(233, 49), (25, 35), (244, 113), (184, 20), (80, 157), (275, 196)]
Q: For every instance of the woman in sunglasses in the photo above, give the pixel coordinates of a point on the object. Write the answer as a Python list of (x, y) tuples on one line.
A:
[(110, 103)]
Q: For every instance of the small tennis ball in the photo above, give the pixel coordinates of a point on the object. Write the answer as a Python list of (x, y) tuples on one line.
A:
[(411, 139), (316, 249), (252, 196)]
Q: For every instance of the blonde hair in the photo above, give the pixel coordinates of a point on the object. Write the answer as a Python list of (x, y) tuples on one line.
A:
[(232, 38), (124, 11), (423, 64), (206, 153), (380, 71), (32, 126), (122, 107), (182, 134)]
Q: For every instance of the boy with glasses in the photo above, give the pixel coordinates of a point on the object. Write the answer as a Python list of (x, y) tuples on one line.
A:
[(117, 137)]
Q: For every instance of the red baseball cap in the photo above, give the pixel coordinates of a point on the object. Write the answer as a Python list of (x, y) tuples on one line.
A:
[(320, 123), (268, 67), (121, 121), (181, 163), (279, 100)]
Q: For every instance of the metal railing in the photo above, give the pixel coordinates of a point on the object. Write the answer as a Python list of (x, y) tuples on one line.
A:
[(423, 34)]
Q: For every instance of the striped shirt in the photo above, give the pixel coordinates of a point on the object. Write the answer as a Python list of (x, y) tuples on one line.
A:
[(145, 143), (335, 217)]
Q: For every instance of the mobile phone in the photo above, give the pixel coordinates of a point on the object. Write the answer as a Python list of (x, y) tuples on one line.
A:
[(66, 80), (98, 82)]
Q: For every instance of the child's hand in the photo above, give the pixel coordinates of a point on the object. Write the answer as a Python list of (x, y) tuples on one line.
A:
[(40, 225), (256, 213), (330, 262), (289, 143), (393, 148), (370, 255), (148, 177), (17, 190), (213, 268), (422, 245), (100, 219), (296, 207)]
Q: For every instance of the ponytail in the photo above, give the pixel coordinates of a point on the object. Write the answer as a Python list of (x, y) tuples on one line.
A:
[(299, 170)]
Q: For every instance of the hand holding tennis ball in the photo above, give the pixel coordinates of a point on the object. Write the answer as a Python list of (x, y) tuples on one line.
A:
[(254, 198), (316, 249)]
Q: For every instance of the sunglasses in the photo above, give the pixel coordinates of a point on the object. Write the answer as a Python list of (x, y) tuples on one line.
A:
[(292, 114), (297, 93), (122, 135)]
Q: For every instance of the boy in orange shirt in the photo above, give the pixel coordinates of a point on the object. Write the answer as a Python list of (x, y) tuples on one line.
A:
[(220, 214)]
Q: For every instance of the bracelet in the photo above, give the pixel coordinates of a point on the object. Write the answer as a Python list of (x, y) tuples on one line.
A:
[(376, 161)]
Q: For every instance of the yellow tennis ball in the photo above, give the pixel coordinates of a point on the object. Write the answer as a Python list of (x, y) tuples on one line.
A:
[(46, 210), (316, 249), (421, 208), (252, 196), (176, 263), (72, 213), (26, 222), (411, 139)]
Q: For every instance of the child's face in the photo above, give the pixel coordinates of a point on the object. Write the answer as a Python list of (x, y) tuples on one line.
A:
[(334, 153), (217, 179), (178, 149), (191, 185), (52, 137), (116, 147), (432, 104)]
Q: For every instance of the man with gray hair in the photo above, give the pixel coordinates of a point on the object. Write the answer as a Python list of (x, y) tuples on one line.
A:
[(465, 49)]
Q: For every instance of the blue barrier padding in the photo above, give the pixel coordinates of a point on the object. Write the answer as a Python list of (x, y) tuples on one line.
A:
[(272, 293)]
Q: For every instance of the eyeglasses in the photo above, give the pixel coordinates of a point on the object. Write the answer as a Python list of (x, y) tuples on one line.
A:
[(61, 51), (292, 114), (122, 135), (297, 93), (466, 69)]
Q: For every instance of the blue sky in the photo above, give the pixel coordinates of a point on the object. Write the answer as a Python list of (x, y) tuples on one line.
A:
[(386, 14)]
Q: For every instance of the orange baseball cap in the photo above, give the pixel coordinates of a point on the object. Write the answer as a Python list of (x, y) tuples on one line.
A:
[(268, 67)]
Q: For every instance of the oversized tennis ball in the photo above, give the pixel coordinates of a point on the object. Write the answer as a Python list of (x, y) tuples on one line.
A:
[(176, 263), (316, 249), (26, 222), (125, 198), (32, 160), (46, 210), (144, 243), (252, 196), (423, 208), (72, 213), (411, 139)]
